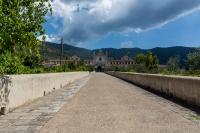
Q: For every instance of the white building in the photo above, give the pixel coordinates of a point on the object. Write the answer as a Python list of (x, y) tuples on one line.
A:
[(100, 61)]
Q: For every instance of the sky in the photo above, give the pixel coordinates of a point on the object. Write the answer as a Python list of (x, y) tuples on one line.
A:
[(145, 24)]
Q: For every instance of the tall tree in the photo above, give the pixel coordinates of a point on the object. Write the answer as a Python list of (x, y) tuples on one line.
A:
[(140, 59), (155, 62), (193, 59), (20, 24), (150, 61), (174, 63)]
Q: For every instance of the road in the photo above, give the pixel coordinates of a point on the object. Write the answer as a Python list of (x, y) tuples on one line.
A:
[(108, 105)]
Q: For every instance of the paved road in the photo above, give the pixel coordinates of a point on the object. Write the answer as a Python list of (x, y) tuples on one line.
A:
[(104, 104), (32, 117), (107, 105)]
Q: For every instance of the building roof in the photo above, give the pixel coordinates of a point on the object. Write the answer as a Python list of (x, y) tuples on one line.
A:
[(126, 57), (74, 57), (100, 52)]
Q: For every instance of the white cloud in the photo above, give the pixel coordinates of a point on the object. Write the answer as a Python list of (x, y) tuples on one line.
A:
[(86, 20), (50, 38), (127, 44)]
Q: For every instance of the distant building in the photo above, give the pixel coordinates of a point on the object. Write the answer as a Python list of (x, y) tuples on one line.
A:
[(99, 60), (57, 62), (74, 58)]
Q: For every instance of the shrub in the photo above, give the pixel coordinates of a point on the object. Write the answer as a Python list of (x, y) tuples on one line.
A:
[(193, 60), (173, 64)]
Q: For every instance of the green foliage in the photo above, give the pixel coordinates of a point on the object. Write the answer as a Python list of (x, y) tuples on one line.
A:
[(195, 73), (10, 63), (71, 65), (81, 52), (90, 68), (168, 72), (63, 68), (82, 68), (173, 64), (50, 53), (143, 69), (110, 68), (140, 59), (150, 61), (144, 64), (193, 59), (32, 61), (155, 62), (20, 23), (140, 69), (181, 72), (116, 68), (68, 67), (80, 63)]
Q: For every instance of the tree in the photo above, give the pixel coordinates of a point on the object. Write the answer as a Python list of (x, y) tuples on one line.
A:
[(174, 63), (20, 24), (149, 61), (155, 62), (71, 65), (81, 63), (32, 61), (193, 59), (10, 64), (140, 59)]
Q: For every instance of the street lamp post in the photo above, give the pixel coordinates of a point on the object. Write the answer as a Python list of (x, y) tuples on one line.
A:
[(61, 51)]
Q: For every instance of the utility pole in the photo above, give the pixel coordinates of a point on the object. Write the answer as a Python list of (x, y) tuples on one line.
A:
[(61, 52), (128, 57)]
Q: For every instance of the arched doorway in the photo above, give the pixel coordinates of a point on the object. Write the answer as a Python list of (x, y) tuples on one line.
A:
[(99, 69)]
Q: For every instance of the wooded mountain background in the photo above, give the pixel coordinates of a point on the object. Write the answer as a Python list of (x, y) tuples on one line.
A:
[(52, 51)]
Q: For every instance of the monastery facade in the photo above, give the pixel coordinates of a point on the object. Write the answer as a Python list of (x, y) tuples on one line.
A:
[(99, 61)]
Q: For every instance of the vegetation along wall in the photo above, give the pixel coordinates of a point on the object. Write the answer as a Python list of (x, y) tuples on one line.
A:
[(184, 88), (16, 90)]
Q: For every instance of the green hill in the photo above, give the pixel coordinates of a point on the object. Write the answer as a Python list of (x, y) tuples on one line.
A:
[(51, 53), (81, 52), (163, 53)]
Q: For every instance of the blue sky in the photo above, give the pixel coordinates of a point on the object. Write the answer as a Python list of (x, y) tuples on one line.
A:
[(131, 23)]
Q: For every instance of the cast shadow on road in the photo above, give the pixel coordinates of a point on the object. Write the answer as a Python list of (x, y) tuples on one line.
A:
[(175, 100)]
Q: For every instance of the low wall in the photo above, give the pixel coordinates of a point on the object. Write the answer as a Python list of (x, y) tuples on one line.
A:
[(184, 88), (16, 90)]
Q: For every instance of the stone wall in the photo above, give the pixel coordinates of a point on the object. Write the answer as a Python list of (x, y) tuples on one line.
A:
[(181, 87), (16, 90)]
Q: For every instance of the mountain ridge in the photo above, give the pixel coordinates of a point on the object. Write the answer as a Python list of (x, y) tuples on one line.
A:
[(163, 53)]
